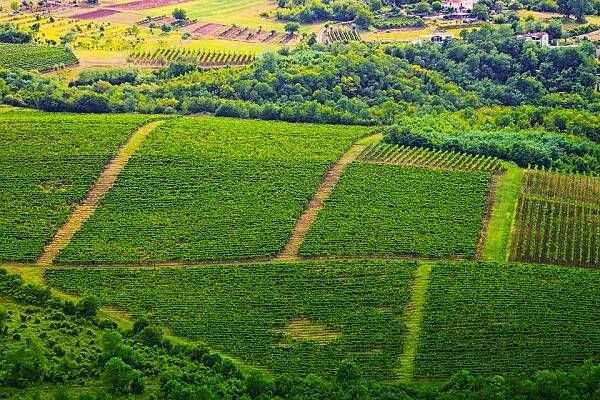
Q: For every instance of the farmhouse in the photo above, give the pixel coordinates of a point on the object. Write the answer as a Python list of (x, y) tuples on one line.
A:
[(441, 37), (541, 38), (459, 5)]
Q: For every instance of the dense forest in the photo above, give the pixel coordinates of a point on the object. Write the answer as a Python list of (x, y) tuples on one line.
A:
[(355, 84)]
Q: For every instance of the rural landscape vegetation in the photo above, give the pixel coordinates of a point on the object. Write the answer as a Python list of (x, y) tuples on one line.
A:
[(299, 199)]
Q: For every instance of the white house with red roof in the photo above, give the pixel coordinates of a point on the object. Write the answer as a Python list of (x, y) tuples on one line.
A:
[(459, 5)]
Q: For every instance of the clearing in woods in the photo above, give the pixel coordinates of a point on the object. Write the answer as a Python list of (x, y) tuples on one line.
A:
[(105, 181)]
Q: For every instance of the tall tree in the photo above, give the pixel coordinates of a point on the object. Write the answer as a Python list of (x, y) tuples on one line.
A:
[(580, 8), (564, 8)]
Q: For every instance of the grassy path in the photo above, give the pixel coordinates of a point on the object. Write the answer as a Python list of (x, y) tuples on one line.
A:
[(497, 235), (105, 181), (316, 203), (414, 318)]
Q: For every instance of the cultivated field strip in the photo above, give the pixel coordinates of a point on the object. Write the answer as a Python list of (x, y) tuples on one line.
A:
[(203, 58), (298, 318), (557, 220), (404, 155), (210, 189), (48, 163), (316, 203), (88, 206), (396, 210), (35, 56), (508, 318)]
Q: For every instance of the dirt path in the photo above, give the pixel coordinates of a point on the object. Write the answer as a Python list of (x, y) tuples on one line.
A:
[(105, 181), (414, 320), (316, 203)]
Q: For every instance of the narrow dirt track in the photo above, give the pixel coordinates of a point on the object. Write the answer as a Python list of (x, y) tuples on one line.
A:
[(105, 181), (316, 203)]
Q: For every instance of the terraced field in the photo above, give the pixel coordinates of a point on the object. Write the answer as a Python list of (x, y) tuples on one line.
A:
[(297, 318), (210, 189), (379, 209), (508, 318), (35, 56), (47, 164)]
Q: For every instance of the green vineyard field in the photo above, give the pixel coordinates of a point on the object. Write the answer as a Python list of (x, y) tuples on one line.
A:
[(379, 209), (35, 56), (202, 58), (210, 189), (297, 318), (503, 318), (47, 164), (558, 220), (403, 155)]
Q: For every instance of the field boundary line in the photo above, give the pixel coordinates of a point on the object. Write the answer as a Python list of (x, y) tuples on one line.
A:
[(489, 209), (317, 202), (513, 222), (103, 184), (414, 320)]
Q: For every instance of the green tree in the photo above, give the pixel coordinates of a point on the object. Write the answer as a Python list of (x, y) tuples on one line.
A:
[(580, 8), (117, 375), (481, 11), (564, 7), (436, 5), (422, 7), (364, 18), (88, 306), (3, 320), (179, 14), (292, 27), (23, 365)]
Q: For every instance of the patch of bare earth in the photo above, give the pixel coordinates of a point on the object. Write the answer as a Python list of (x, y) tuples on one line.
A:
[(303, 328)]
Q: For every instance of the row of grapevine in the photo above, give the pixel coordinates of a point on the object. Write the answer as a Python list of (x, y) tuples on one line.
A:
[(507, 319), (405, 155), (383, 209), (45, 171), (188, 194), (557, 220), (202, 58), (342, 34), (297, 318), (34, 56)]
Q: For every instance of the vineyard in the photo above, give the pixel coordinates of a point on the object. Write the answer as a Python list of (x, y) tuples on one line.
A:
[(342, 33), (380, 209), (404, 155), (34, 56), (202, 58), (297, 318), (210, 189), (498, 318), (557, 220), (47, 164)]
